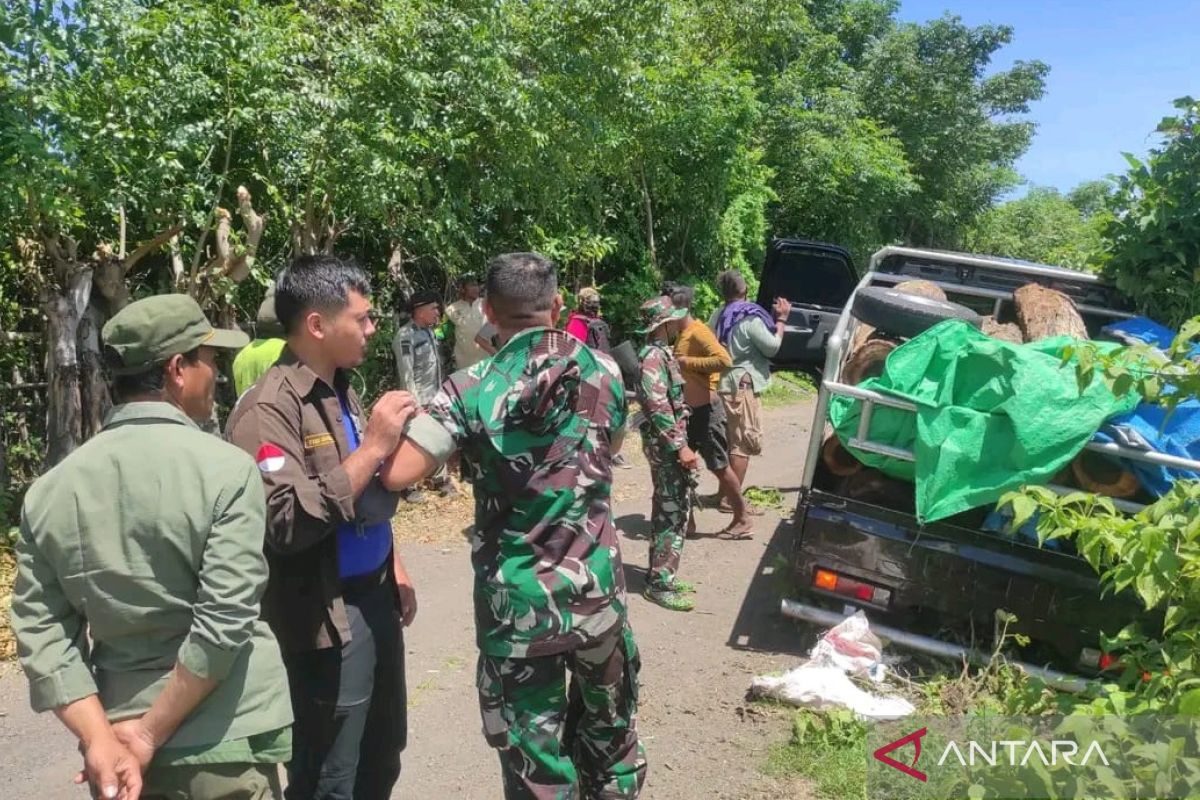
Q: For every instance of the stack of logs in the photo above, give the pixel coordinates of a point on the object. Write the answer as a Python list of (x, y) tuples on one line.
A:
[(1040, 313)]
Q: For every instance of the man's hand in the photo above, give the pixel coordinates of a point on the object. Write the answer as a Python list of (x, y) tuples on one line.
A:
[(781, 307), (688, 458), (110, 769), (389, 415), (138, 740), (405, 592)]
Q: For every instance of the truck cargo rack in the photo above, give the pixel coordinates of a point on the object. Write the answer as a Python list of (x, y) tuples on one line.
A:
[(835, 355)]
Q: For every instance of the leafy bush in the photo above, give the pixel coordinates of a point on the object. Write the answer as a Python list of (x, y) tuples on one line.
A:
[(1152, 249)]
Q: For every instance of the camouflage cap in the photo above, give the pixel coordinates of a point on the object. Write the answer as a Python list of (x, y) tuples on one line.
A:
[(150, 331), (589, 296), (657, 311)]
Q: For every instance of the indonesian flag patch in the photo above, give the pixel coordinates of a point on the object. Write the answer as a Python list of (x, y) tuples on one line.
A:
[(269, 458)]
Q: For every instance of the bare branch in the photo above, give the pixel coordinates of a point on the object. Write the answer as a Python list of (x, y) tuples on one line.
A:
[(146, 248), (121, 244), (239, 268)]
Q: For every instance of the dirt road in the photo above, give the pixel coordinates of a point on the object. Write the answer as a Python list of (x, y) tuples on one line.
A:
[(702, 739)]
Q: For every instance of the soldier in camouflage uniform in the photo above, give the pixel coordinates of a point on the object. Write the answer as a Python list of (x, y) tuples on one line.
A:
[(537, 425), (672, 462)]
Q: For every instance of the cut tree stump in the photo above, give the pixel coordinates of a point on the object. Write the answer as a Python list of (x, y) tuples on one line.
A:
[(838, 459), (867, 361), (1042, 313), (864, 332), (1005, 331), (1099, 475), (872, 486)]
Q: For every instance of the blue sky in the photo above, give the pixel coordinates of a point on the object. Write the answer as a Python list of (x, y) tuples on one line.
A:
[(1115, 67)]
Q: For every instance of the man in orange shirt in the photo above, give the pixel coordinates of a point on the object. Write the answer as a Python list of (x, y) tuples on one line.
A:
[(702, 359)]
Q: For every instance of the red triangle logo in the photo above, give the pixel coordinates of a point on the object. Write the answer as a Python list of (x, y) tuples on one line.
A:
[(913, 738)]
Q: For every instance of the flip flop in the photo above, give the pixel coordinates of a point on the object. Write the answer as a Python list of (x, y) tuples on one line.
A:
[(736, 536), (753, 511)]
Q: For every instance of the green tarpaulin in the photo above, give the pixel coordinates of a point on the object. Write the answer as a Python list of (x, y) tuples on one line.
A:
[(992, 416)]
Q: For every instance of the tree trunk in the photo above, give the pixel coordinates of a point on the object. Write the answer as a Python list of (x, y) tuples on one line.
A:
[(867, 361), (649, 207), (838, 459), (63, 399), (94, 397), (1005, 331), (1043, 313)]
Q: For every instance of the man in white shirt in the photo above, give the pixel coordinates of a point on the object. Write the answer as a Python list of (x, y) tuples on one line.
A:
[(467, 315)]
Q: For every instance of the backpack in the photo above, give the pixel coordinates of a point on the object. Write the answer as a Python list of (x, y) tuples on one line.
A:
[(597, 335)]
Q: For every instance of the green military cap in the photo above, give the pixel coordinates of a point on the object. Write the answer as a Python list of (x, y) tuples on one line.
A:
[(150, 331), (657, 311)]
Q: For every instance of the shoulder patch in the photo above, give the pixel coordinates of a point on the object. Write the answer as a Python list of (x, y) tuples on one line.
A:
[(269, 458)]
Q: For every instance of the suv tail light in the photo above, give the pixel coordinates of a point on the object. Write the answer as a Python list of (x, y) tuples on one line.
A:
[(828, 581)]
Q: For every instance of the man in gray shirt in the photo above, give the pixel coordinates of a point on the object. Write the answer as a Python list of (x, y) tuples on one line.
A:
[(419, 367)]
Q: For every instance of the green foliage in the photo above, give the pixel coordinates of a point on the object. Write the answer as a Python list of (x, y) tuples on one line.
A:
[(1152, 240), (1043, 226), (787, 388), (827, 748), (1154, 554)]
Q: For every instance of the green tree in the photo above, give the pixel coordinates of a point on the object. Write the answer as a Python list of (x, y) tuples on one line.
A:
[(1042, 226), (1152, 240), (960, 128)]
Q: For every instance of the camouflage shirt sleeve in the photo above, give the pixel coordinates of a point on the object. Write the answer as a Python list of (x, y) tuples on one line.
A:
[(654, 393), (443, 427)]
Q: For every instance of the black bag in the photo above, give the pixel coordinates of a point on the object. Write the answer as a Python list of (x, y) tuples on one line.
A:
[(625, 354), (597, 336)]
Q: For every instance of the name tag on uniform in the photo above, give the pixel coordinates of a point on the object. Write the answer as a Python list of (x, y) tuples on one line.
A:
[(317, 440)]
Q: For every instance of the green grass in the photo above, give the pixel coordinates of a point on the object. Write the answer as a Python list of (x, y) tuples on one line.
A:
[(826, 749), (787, 388)]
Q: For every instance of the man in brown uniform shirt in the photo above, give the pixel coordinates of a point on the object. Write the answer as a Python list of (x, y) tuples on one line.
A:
[(338, 591)]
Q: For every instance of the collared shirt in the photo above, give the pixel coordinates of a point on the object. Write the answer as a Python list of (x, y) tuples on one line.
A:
[(292, 422), (147, 541), (701, 359), (468, 318), (536, 425), (752, 345), (418, 363)]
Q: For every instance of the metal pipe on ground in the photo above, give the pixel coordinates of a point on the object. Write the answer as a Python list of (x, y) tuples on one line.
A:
[(927, 644)]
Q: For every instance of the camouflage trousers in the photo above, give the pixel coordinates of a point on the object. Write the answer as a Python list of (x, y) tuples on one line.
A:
[(670, 508), (560, 742)]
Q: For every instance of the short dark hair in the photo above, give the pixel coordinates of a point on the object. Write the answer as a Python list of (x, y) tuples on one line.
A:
[(151, 381), (731, 285), (520, 286), (682, 295), (321, 282)]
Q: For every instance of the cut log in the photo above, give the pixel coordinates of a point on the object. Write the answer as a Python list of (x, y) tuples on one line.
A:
[(1042, 313), (838, 459), (864, 332), (872, 486), (1099, 475), (867, 361), (1005, 331)]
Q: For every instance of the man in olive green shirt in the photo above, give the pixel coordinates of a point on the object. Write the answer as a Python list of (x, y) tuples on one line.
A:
[(139, 573)]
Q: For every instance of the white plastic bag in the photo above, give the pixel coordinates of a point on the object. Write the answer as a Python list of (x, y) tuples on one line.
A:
[(821, 682), (850, 646), (822, 688)]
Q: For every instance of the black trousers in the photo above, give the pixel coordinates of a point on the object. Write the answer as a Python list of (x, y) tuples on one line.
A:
[(350, 703)]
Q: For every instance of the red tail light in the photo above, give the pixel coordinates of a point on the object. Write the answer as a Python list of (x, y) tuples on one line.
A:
[(835, 583)]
